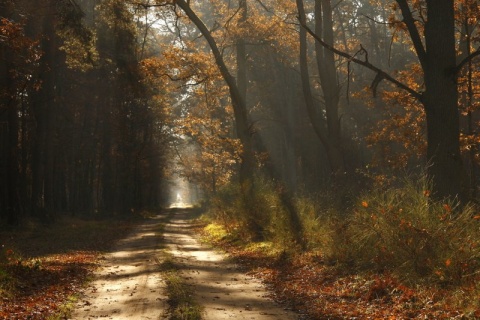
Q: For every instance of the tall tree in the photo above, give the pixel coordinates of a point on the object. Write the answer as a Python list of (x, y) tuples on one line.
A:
[(43, 105), (330, 84), (438, 61), (327, 127), (13, 40), (437, 57), (243, 129)]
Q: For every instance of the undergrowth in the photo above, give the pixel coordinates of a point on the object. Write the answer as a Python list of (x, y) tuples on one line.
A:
[(404, 231), (266, 209), (399, 230)]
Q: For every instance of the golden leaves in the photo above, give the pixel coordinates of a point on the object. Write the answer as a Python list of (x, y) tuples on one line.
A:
[(448, 262)]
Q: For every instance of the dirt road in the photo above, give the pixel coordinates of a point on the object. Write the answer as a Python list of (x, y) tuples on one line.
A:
[(129, 285)]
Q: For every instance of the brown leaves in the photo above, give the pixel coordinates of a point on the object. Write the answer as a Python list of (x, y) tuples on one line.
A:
[(41, 287), (50, 265), (321, 291)]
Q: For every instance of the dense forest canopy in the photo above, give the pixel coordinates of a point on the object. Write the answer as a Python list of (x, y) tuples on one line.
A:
[(103, 102)]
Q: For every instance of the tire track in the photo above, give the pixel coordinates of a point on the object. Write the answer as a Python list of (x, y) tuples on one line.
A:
[(223, 291)]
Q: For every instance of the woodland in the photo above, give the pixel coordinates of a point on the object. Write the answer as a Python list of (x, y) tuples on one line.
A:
[(330, 140)]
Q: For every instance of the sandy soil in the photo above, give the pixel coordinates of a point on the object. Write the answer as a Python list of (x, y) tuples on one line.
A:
[(129, 286)]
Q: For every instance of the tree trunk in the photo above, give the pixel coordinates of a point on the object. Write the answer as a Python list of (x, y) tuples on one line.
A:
[(440, 100), (238, 102), (43, 100), (328, 130), (329, 82), (8, 102)]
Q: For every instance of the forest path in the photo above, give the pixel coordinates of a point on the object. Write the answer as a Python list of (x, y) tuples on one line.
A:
[(130, 286), (222, 290)]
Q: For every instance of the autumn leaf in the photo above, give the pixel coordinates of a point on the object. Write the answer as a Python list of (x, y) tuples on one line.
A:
[(448, 262)]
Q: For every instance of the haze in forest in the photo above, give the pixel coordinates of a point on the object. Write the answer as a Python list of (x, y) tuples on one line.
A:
[(289, 120)]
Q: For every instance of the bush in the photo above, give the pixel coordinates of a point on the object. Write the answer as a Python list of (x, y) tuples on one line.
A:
[(404, 231), (264, 210), (319, 217), (396, 229), (226, 207)]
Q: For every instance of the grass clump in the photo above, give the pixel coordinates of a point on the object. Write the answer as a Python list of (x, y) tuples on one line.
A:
[(168, 263), (403, 231), (65, 310), (7, 283), (400, 229), (244, 220), (181, 300)]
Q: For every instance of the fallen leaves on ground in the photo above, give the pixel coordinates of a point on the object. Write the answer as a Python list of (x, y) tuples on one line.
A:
[(320, 290), (40, 288), (47, 266)]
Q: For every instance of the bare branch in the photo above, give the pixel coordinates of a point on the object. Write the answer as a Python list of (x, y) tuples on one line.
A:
[(380, 73), (150, 5), (466, 60), (264, 6), (413, 31), (378, 22)]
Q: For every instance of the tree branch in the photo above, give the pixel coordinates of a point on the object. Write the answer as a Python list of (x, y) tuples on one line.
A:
[(380, 73), (412, 29), (466, 60), (264, 6)]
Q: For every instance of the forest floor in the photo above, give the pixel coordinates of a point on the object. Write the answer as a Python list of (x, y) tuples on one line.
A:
[(127, 280), (42, 268), (130, 284), (108, 269)]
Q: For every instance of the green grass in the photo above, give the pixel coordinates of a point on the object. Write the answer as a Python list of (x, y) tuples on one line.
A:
[(181, 298), (216, 234), (181, 295), (399, 229), (7, 283)]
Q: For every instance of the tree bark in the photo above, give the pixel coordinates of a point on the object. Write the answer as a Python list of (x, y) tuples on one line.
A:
[(440, 100), (327, 130), (329, 83)]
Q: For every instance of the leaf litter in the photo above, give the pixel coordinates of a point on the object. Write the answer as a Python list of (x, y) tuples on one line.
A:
[(43, 267)]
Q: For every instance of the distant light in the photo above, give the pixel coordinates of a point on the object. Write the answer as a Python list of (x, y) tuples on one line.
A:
[(179, 203)]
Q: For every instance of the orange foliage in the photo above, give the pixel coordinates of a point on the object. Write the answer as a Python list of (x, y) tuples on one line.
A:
[(23, 55), (400, 135), (311, 285)]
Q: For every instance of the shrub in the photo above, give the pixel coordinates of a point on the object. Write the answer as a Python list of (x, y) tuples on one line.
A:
[(404, 231), (319, 218), (264, 210)]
